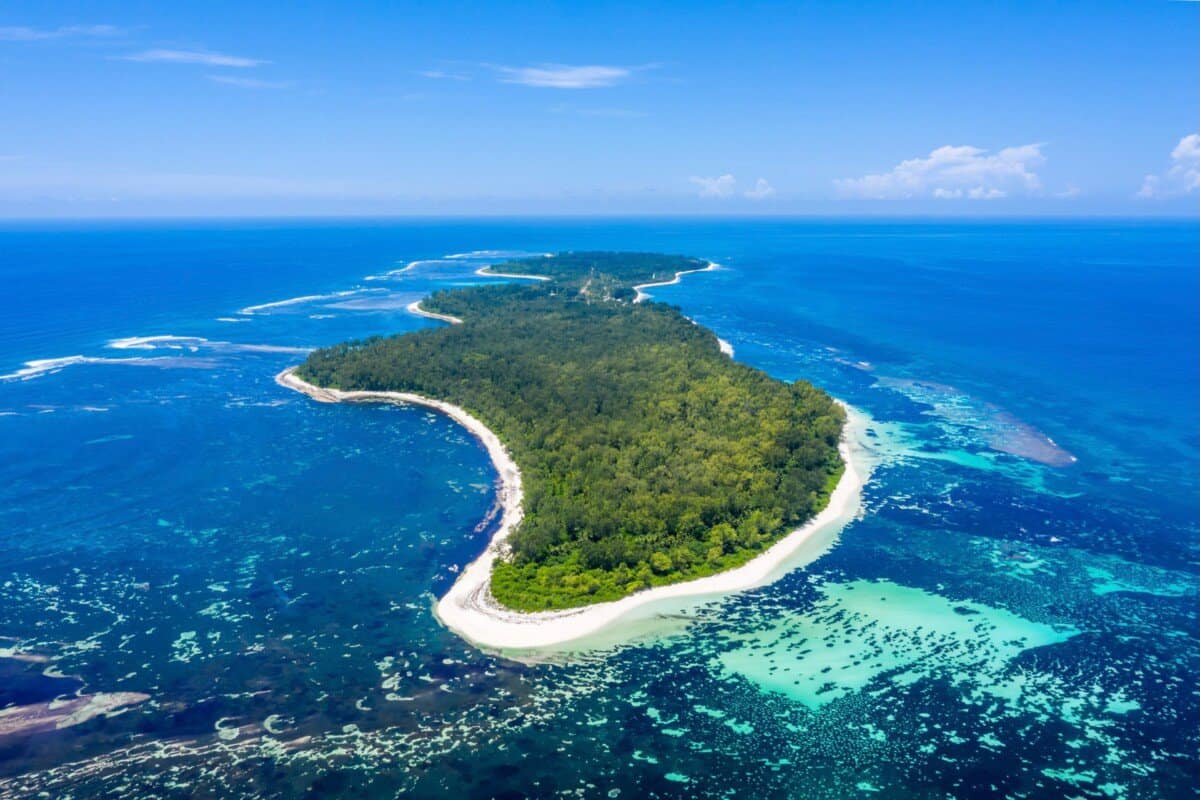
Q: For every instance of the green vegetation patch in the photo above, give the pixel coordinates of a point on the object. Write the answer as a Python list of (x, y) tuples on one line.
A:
[(648, 457)]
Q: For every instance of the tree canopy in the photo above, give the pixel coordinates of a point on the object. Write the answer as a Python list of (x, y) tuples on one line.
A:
[(648, 457)]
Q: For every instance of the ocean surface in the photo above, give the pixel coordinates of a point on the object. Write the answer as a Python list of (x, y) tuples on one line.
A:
[(244, 578)]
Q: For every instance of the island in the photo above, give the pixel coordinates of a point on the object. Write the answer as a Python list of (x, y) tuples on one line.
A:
[(634, 454)]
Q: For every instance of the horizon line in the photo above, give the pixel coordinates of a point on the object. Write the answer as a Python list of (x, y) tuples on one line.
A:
[(417, 216)]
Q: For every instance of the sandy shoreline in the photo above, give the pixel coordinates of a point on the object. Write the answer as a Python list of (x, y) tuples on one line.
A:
[(469, 609), (510, 493), (415, 308), (487, 273), (725, 346), (678, 276)]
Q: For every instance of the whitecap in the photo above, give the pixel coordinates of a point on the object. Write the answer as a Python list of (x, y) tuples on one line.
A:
[(195, 343), (301, 300), (407, 267), (49, 366), (117, 437), (265, 348), (154, 342), (388, 302)]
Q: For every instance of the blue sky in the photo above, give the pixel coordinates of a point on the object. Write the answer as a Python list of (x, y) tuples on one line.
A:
[(147, 108)]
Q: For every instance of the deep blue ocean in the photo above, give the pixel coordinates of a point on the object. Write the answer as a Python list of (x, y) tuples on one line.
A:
[(1015, 615)]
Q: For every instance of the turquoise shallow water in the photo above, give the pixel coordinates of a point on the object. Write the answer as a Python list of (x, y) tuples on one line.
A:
[(1015, 616)]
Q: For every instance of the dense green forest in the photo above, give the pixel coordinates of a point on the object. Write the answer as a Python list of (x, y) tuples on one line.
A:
[(648, 457), (603, 275)]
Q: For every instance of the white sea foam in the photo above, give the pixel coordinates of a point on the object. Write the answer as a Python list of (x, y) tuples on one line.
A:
[(406, 268), (263, 348), (165, 341), (49, 366), (386, 302), (196, 343), (302, 300), (45, 366)]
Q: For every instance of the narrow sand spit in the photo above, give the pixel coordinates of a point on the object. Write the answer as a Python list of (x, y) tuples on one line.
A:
[(415, 308), (469, 609), (678, 275), (487, 273)]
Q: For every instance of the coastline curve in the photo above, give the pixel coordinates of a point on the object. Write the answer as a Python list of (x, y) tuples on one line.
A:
[(486, 272), (641, 295), (469, 609), (415, 309)]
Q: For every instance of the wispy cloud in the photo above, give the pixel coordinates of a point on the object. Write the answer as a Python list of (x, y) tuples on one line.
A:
[(720, 186), (951, 172), (205, 57), (249, 83), (21, 33), (1182, 177), (761, 190), (443, 75), (563, 76)]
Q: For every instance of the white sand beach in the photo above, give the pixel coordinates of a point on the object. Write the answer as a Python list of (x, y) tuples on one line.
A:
[(415, 308), (641, 295), (469, 608), (487, 273)]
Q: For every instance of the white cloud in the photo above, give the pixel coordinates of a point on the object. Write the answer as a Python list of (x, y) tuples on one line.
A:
[(951, 172), (761, 189), (1182, 177), (562, 76), (721, 186), (205, 57), (443, 75), (21, 33), (249, 83)]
